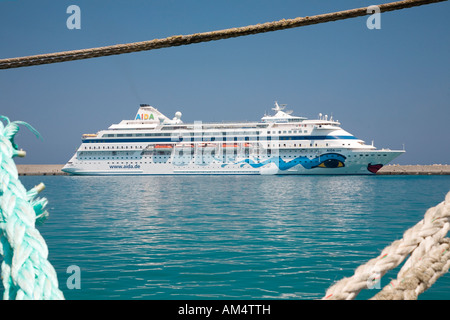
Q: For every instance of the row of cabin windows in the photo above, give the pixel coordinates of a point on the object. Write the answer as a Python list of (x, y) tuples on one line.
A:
[(287, 131), (224, 155), (160, 134), (118, 147), (140, 147)]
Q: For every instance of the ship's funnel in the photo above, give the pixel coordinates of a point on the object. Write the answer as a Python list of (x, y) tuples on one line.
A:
[(149, 113)]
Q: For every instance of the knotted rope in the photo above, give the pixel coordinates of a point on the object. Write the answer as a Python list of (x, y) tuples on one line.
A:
[(180, 40), (26, 272), (429, 258)]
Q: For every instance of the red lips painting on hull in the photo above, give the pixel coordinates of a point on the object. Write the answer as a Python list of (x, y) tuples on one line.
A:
[(374, 167)]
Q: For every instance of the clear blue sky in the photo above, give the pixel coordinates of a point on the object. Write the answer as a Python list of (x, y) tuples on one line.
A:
[(390, 85)]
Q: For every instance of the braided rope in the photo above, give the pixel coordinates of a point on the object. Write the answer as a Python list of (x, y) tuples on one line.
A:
[(25, 270), (180, 40), (420, 277), (429, 258)]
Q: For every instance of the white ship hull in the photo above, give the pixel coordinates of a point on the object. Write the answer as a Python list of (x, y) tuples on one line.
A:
[(281, 144), (353, 162)]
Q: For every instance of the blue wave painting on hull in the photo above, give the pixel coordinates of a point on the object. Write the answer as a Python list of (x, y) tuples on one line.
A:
[(327, 160)]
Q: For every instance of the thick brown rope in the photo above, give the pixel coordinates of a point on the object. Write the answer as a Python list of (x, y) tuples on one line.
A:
[(202, 37)]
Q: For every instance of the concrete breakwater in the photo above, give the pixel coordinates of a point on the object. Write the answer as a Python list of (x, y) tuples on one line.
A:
[(435, 169), (40, 170)]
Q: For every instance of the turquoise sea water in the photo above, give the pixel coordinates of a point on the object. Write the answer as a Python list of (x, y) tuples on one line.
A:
[(227, 237)]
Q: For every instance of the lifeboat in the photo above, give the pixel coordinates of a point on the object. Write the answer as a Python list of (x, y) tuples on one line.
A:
[(184, 146), (229, 145), (163, 146), (89, 135)]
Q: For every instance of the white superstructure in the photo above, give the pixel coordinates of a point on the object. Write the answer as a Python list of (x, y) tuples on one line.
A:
[(278, 144)]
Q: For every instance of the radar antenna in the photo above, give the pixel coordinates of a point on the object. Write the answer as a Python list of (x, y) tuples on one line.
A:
[(278, 107)]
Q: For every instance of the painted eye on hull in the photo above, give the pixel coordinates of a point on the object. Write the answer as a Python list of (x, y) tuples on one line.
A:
[(331, 163)]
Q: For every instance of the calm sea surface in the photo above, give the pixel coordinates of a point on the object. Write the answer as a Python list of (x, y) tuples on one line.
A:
[(228, 237)]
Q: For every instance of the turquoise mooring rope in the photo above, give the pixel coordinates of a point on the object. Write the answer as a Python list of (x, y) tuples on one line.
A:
[(26, 272)]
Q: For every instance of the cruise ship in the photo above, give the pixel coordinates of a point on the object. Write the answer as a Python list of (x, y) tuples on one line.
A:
[(281, 143)]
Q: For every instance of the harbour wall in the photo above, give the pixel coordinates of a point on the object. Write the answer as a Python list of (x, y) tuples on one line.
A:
[(435, 169), (40, 170)]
